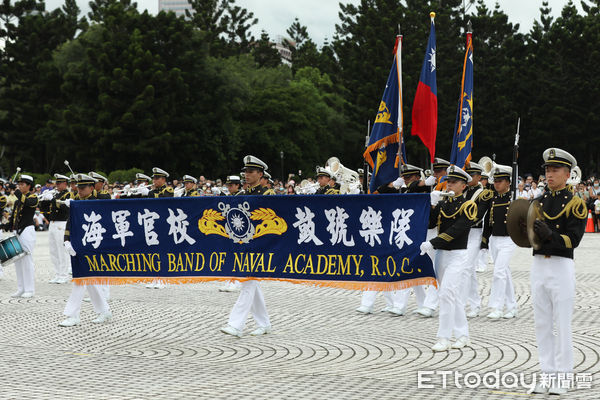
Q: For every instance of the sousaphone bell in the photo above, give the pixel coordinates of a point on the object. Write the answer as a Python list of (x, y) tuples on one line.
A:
[(522, 214)]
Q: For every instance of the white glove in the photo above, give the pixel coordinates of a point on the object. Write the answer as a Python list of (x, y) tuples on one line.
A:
[(67, 202), (398, 183), (70, 249), (430, 181), (311, 190), (143, 190), (426, 247), (46, 196), (436, 195)]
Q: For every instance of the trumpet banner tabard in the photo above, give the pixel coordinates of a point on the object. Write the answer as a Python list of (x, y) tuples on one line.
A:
[(360, 242)]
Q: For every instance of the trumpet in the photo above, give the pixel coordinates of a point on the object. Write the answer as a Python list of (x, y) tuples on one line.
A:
[(448, 193), (305, 187), (178, 192)]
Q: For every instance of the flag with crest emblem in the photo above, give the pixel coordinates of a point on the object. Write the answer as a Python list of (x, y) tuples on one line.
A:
[(462, 141), (386, 135)]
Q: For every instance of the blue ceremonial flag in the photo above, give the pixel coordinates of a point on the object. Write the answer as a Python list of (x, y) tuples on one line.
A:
[(462, 141), (386, 136), (358, 242)]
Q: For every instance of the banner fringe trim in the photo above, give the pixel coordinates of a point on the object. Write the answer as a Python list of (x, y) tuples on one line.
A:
[(349, 285)]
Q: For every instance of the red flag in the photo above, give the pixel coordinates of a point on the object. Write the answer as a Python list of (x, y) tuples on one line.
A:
[(424, 112)]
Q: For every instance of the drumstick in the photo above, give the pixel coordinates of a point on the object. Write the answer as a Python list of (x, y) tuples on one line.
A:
[(67, 164), (16, 173)]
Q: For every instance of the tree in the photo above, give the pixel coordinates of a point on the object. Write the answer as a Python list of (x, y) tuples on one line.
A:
[(264, 53), (30, 84)]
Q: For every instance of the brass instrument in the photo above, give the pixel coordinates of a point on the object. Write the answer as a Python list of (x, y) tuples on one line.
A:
[(575, 177), (488, 166), (305, 187), (349, 180)]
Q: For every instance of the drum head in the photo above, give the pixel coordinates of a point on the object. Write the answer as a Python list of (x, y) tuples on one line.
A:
[(516, 222)]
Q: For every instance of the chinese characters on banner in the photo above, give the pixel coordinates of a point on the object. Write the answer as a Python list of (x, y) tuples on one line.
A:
[(351, 241)]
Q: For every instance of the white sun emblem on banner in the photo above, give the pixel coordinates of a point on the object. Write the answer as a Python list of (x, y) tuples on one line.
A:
[(432, 59)]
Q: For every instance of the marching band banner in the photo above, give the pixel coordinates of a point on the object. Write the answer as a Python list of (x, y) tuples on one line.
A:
[(360, 242)]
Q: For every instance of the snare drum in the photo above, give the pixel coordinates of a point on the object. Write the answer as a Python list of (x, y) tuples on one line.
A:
[(10, 250)]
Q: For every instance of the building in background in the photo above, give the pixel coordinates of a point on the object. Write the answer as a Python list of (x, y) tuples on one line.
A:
[(177, 6), (284, 51)]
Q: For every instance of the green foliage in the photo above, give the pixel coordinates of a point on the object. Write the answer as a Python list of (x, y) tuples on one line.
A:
[(124, 175), (195, 95)]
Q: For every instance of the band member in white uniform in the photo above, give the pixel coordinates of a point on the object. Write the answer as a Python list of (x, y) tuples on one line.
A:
[(501, 247), (21, 222), (553, 270), (481, 196), (85, 187), (430, 303), (408, 182), (453, 217), (251, 296), (234, 184), (58, 214)]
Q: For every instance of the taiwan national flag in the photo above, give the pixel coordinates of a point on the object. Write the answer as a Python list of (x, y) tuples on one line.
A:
[(384, 142), (424, 112), (462, 141)]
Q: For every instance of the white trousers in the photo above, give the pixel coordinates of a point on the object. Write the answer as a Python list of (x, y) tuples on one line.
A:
[(58, 254), (251, 299), (471, 292), (452, 316), (392, 299), (431, 293), (503, 291), (24, 266), (553, 296), (404, 295), (482, 259), (97, 298)]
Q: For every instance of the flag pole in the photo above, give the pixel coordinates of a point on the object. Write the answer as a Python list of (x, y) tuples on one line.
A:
[(400, 116), (366, 164), (432, 16)]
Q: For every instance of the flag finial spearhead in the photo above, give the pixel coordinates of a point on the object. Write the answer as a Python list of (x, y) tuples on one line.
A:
[(432, 15)]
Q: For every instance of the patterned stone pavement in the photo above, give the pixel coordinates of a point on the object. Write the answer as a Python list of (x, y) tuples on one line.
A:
[(166, 344)]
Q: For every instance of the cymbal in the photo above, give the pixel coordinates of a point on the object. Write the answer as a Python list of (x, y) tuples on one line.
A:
[(534, 212), (516, 222)]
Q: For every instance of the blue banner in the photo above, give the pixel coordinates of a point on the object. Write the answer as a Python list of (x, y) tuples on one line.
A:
[(352, 241), (462, 141), (382, 152)]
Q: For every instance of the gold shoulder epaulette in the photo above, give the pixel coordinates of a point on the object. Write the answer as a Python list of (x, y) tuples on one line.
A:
[(469, 208), (332, 191), (486, 195), (168, 189), (578, 208)]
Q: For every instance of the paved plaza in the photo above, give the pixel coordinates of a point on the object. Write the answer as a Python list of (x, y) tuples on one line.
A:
[(166, 344)]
